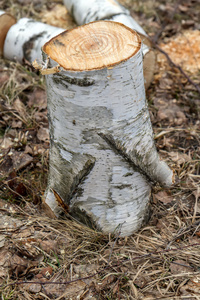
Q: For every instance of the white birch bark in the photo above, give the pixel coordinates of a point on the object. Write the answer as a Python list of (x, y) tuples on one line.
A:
[(102, 151), (25, 39), (93, 10)]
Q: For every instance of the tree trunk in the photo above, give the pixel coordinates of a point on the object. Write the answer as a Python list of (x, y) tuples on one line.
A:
[(102, 152), (93, 10)]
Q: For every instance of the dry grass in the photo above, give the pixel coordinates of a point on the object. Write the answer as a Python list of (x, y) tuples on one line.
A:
[(43, 258)]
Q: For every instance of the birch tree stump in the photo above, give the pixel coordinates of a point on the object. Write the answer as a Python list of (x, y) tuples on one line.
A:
[(92, 10), (102, 152)]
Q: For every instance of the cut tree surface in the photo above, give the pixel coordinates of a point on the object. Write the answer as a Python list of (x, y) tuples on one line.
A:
[(102, 148), (6, 21), (92, 10), (93, 47)]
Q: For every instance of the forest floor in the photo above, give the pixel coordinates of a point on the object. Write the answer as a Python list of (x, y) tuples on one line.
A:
[(45, 258)]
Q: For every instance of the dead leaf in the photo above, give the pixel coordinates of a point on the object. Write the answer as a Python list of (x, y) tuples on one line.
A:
[(47, 210), (84, 270), (20, 160), (6, 166), (6, 143), (17, 188), (16, 124), (4, 77), (28, 150), (5, 256), (24, 233), (107, 280), (193, 240), (14, 161), (163, 197), (183, 8), (35, 288), (179, 158), (46, 272), (41, 117), (166, 230), (8, 223), (172, 114), (38, 99), (191, 288), (3, 274), (14, 263), (180, 266), (43, 134), (142, 280), (49, 246), (19, 107), (70, 291), (38, 149), (8, 207)]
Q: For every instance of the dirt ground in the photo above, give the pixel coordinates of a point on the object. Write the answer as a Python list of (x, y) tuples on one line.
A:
[(45, 258)]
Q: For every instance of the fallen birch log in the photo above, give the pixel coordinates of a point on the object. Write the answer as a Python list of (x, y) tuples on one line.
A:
[(23, 40), (92, 10), (102, 152)]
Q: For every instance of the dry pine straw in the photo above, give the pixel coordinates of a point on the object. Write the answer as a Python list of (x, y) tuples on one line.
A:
[(140, 265)]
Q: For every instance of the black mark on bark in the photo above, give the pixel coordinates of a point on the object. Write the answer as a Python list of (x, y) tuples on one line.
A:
[(72, 80), (29, 45)]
